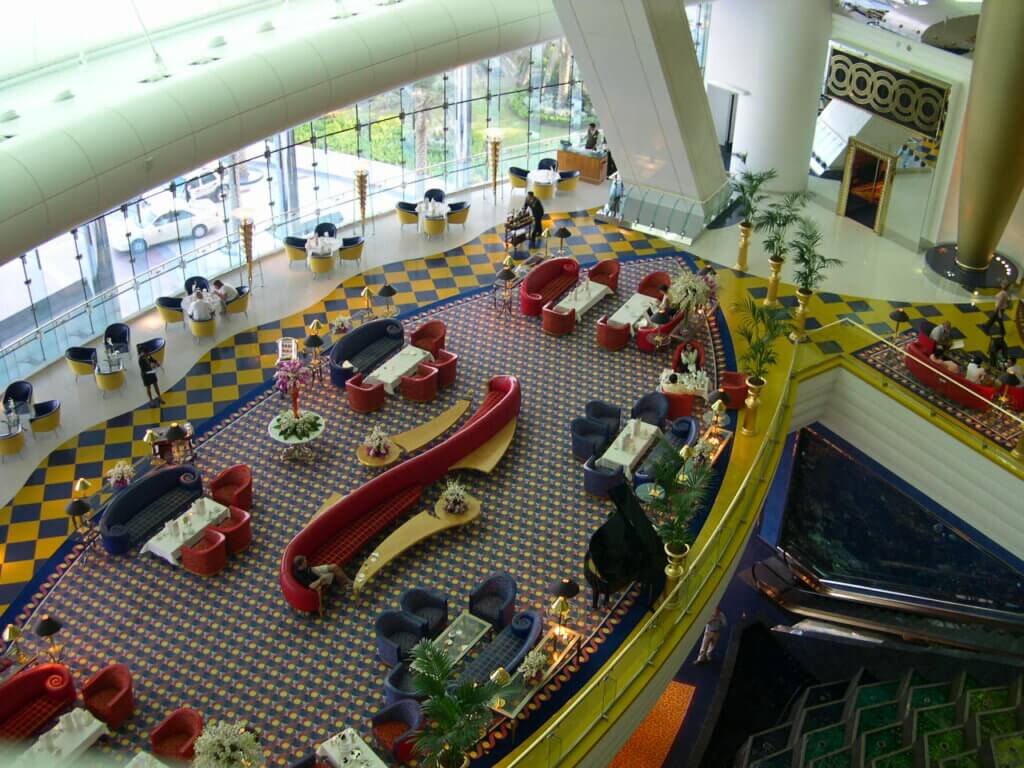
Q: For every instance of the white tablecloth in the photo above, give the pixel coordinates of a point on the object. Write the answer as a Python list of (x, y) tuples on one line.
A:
[(67, 741), (583, 297), (431, 209), (634, 310), (543, 177), (322, 246), (635, 439), (402, 364), (185, 530), (348, 744)]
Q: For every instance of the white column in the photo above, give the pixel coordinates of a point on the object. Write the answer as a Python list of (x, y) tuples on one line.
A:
[(772, 53)]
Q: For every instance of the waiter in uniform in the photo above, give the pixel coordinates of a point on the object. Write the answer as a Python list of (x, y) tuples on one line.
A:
[(533, 205), (590, 142)]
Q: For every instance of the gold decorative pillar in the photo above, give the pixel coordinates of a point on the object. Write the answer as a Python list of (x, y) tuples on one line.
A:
[(494, 156), (800, 316), (741, 261), (244, 217), (992, 170), (771, 299), (362, 186), (751, 404), (675, 570)]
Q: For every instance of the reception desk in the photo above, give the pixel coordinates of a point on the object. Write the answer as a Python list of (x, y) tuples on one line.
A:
[(593, 166)]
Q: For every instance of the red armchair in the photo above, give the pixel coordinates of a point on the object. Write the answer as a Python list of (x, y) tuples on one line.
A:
[(362, 397), (395, 728), (679, 405), (557, 322), (685, 346), (651, 285), (445, 363), (613, 336), (233, 487), (734, 385), (645, 336), (108, 695), (32, 698), (422, 387), (208, 556), (606, 273), (176, 736), (429, 336), (237, 530)]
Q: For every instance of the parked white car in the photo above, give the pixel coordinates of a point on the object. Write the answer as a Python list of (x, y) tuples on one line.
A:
[(161, 225)]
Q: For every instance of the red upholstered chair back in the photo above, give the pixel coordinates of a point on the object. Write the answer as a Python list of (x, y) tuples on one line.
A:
[(429, 336), (422, 386), (607, 273), (651, 285), (208, 556), (613, 336), (362, 397), (446, 364), (108, 695), (237, 530), (176, 735), (233, 487), (556, 321)]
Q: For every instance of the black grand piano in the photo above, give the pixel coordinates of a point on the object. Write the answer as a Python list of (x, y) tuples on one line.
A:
[(625, 549)]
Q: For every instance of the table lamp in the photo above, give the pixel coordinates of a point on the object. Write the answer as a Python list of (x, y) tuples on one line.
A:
[(178, 439), (899, 317), (561, 233), (12, 635), (388, 293), (47, 628), (719, 406), (78, 508), (501, 678)]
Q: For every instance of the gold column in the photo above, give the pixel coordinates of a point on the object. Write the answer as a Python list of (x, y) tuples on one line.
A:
[(992, 174)]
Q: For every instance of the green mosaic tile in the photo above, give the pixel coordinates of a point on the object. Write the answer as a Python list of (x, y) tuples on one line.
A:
[(942, 744), (900, 758), (871, 718), (842, 758), (1008, 750), (821, 715), (877, 693), (970, 759), (930, 695), (823, 741), (998, 722), (881, 741), (985, 699)]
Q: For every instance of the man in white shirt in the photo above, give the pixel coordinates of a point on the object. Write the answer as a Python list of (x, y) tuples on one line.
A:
[(225, 293), (201, 309), (1015, 368), (941, 335)]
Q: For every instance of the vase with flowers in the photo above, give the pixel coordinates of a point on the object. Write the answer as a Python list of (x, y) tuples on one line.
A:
[(120, 474), (289, 377), (453, 498), (533, 665), (377, 442)]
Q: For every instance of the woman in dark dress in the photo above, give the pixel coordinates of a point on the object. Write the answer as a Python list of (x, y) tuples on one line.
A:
[(148, 366)]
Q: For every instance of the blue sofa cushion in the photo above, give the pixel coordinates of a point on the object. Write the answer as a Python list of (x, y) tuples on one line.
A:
[(507, 649)]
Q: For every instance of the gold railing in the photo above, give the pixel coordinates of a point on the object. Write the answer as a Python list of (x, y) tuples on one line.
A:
[(560, 741)]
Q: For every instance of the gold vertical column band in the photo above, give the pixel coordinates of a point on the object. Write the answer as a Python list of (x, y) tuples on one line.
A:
[(992, 174)]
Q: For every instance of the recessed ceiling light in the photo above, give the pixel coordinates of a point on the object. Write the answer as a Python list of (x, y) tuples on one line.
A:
[(218, 42), (266, 26), (66, 95), (204, 60), (8, 115)]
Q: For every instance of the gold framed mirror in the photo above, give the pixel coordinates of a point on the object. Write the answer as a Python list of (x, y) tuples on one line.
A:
[(867, 185)]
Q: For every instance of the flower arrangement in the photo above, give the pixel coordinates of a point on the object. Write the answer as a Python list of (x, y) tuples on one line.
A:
[(690, 291), (696, 380), (305, 425), (454, 497), (377, 442), (120, 474), (289, 376), (534, 663), (341, 325), (228, 745)]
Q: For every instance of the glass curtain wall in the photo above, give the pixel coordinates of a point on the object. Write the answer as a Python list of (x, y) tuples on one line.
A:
[(430, 133)]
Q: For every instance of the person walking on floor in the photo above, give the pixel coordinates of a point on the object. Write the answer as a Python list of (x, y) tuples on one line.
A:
[(999, 311), (147, 367), (712, 631), (536, 209)]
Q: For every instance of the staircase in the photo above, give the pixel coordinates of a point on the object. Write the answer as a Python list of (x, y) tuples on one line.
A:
[(906, 723)]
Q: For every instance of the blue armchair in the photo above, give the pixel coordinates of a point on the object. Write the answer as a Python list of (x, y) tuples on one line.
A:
[(607, 414), (397, 633), (494, 600), (437, 195), (430, 605), (652, 408), (547, 164), (598, 481), (398, 685), (196, 282), (589, 437), (399, 743), (325, 229), (20, 392), (81, 360), (118, 336)]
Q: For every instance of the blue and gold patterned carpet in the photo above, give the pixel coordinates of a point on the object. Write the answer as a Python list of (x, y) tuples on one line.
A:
[(231, 647)]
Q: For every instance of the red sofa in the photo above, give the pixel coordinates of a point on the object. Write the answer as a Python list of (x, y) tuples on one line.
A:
[(429, 336), (233, 487), (612, 336), (108, 695), (556, 321), (651, 285), (362, 397), (176, 735), (345, 528), (546, 282), (32, 698), (606, 273), (939, 381)]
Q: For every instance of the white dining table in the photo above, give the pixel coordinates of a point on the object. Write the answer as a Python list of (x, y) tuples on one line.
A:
[(634, 310), (348, 750), (543, 177), (584, 297), (402, 364), (431, 209), (631, 444), (321, 246), (67, 741), (185, 530)]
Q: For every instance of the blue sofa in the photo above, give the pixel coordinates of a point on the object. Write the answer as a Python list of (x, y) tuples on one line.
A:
[(135, 513), (507, 649), (365, 348)]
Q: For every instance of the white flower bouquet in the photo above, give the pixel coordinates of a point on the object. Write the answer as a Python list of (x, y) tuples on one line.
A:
[(377, 441), (534, 663), (306, 425), (120, 474), (453, 497)]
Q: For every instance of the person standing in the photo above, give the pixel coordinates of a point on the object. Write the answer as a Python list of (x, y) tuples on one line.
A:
[(712, 632), (999, 311), (591, 139), (147, 367), (536, 209)]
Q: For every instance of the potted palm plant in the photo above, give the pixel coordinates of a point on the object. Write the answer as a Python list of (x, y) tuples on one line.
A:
[(811, 266), (747, 187), (761, 327), (456, 714), (775, 220)]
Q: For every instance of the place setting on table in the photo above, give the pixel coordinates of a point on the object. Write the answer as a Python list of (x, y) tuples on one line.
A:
[(185, 530), (433, 210), (544, 177), (404, 363), (634, 311)]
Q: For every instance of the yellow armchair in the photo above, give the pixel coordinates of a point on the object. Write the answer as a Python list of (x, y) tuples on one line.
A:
[(169, 308), (517, 179), (240, 304), (568, 180), (47, 417), (295, 249), (352, 250), (407, 214), (433, 227), (202, 329), (12, 444), (544, 191), (459, 214), (110, 382), (321, 265), (81, 360)]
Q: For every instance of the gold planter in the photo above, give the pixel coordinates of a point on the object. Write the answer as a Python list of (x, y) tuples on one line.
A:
[(741, 262), (675, 570), (753, 401), (771, 299), (800, 316)]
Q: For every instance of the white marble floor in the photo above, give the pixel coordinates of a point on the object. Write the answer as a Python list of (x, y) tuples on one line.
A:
[(285, 291)]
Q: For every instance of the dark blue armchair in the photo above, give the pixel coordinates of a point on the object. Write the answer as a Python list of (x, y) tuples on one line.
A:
[(589, 438), (325, 229), (20, 392), (150, 346), (520, 173), (494, 600), (398, 685), (547, 164), (196, 282), (598, 481), (437, 195), (118, 337), (605, 413), (651, 408), (399, 743), (397, 633), (430, 605)]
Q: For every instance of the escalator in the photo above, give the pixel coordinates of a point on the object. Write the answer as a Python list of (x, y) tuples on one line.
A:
[(902, 616)]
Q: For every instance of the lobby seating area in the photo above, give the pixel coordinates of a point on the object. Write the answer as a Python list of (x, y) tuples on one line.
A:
[(135, 513)]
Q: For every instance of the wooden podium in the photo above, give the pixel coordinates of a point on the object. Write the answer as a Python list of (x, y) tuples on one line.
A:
[(593, 168)]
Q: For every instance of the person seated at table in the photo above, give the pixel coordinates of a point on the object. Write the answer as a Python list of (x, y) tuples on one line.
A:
[(1012, 366), (665, 311), (318, 577), (941, 335), (944, 362), (998, 352), (225, 293), (201, 308), (976, 372), (671, 384)]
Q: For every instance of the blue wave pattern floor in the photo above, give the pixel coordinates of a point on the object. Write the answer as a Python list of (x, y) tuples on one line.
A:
[(221, 634), (33, 526)]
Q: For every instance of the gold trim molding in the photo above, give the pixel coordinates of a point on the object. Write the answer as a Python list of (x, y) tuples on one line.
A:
[(852, 147)]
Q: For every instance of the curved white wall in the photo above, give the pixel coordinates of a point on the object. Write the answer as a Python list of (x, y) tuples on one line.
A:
[(60, 176)]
